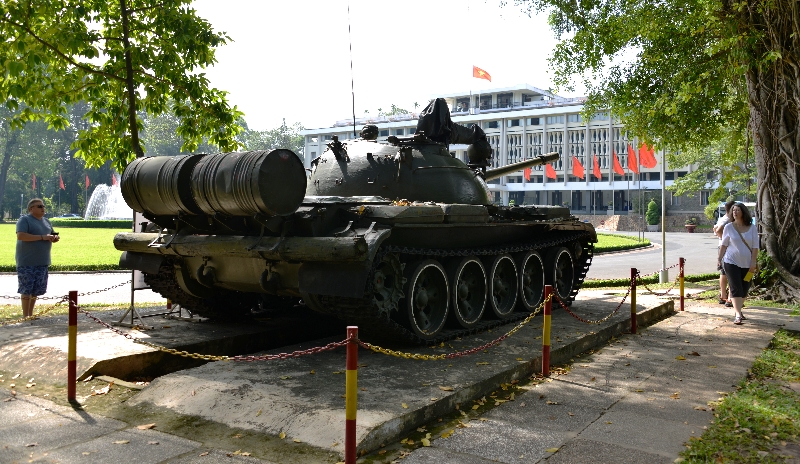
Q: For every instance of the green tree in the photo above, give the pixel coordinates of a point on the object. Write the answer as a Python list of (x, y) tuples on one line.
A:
[(653, 215), (699, 77), (121, 57), (282, 136)]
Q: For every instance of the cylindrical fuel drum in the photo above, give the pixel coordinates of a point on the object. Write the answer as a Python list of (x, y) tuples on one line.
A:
[(249, 183), (160, 185)]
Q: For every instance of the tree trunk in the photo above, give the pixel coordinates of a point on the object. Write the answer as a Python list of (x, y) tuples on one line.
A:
[(774, 100), (11, 142), (129, 84)]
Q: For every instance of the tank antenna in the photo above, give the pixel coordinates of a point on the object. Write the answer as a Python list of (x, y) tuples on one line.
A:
[(352, 88)]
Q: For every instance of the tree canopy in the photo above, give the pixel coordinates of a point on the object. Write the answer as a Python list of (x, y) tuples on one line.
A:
[(701, 78), (121, 57)]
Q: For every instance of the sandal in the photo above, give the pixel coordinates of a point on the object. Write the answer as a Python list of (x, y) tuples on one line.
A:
[(722, 301), (729, 304), (737, 320)]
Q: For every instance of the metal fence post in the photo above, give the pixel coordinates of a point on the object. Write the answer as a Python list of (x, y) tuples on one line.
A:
[(351, 395), (633, 300), (680, 278), (548, 309), (72, 343)]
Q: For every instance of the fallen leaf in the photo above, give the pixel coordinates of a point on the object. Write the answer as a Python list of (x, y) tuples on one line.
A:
[(476, 406), (312, 372), (246, 453), (103, 390), (281, 435), (694, 353), (520, 359), (447, 433), (551, 450), (405, 406), (86, 453), (122, 442), (285, 377), (258, 413), (425, 442), (552, 402), (15, 377), (680, 358), (700, 408), (152, 442), (29, 445), (193, 393), (447, 389), (482, 363), (297, 441), (204, 453), (145, 426), (571, 414)]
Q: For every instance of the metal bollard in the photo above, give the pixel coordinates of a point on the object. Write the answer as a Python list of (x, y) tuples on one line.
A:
[(72, 343), (351, 395), (548, 310), (633, 300), (681, 261)]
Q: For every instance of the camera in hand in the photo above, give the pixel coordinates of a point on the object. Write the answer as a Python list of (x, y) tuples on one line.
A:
[(53, 233)]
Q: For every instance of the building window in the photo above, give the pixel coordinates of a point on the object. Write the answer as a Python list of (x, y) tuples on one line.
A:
[(491, 125), (600, 116), (398, 132), (313, 139), (555, 120), (513, 122), (384, 133), (504, 100), (574, 118), (681, 174), (655, 176), (486, 102), (674, 200), (669, 175), (412, 130), (704, 197), (534, 121), (326, 138)]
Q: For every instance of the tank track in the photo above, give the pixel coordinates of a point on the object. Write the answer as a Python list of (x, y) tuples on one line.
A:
[(228, 305), (379, 326)]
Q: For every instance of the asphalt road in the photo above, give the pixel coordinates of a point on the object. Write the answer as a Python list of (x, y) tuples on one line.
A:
[(699, 250)]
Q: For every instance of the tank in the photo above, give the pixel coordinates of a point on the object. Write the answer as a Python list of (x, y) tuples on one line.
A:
[(400, 238)]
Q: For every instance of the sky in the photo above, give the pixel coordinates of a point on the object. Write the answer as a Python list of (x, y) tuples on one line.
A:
[(291, 59)]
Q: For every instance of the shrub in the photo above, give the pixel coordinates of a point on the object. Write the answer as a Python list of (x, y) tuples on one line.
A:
[(653, 216)]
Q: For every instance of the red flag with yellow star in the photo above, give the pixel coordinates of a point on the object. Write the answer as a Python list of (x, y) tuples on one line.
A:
[(481, 74)]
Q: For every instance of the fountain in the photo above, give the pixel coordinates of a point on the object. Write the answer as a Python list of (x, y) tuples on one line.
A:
[(106, 202)]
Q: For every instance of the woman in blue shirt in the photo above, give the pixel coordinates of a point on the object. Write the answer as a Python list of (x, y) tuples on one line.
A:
[(35, 238)]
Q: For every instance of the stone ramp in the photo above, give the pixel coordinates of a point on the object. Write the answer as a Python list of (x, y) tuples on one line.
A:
[(304, 397)]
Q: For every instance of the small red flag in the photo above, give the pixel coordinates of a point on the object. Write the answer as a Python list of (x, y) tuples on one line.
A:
[(33, 176), (646, 156), (87, 181), (527, 174), (617, 167), (633, 163), (596, 170), (61, 182), (549, 171), (577, 168), (481, 74), (113, 179)]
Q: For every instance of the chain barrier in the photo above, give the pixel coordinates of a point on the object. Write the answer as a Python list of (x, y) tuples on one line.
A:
[(64, 298), (36, 316), (458, 354), (598, 321), (209, 357), (658, 271), (639, 282)]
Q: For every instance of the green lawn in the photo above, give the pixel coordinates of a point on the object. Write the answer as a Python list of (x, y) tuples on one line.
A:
[(87, 249), (78, 249)]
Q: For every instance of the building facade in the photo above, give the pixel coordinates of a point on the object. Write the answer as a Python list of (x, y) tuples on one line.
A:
[(521, 122)]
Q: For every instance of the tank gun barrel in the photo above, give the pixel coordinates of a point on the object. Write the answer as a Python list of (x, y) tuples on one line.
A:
[(508, 169)]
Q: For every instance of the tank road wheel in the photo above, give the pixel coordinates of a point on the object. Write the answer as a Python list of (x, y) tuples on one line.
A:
[(560, 272), (467, 278), (387, 283), (427, 299), (531, 280), (503, 285)]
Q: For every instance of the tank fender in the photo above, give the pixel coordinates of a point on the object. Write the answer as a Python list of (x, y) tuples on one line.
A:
[(191, 286), (206, 275), (144, 262), (347, 279)]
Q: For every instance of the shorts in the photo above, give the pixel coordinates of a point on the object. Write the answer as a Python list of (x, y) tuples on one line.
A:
[(32, 280), (736, 283)]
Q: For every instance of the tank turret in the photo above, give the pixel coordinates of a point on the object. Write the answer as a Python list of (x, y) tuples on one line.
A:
[(399, 238)]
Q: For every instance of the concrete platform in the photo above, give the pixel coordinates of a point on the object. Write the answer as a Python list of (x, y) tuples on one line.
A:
[(304, 397)]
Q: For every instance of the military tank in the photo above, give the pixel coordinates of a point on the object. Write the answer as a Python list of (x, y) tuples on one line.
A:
[(399, 238)]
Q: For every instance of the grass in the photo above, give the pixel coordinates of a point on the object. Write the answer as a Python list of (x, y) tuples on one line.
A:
[(12, 312), (754, 423), (78, 250), (92, 249), (615, 242)]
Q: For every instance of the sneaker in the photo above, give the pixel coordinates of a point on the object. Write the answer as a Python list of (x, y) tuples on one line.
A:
[(729, 304), (722, 301), (737, 320)]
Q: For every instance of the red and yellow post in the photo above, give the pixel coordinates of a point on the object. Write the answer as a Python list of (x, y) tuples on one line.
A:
[(351, 396), (681, 262), (633, 300), (72, 344), (548, 310)]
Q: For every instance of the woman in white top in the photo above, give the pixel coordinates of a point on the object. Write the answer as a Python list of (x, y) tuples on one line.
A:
[(738, 254), (724, 295)]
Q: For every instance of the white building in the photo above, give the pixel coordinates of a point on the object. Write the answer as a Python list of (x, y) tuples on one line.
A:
[(523, 121)]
